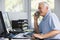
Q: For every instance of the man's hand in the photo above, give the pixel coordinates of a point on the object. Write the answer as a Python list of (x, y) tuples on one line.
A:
[(35, 17), (47, 35), (38, 36)]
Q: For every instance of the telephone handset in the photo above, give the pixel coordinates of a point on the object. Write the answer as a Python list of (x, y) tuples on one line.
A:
[(37, 13)]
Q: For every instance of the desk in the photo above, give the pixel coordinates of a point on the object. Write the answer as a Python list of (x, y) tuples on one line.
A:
[(1, 38), (19, 36)]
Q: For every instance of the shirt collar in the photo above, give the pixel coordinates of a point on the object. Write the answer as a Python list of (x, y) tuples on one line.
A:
[(46, 15)]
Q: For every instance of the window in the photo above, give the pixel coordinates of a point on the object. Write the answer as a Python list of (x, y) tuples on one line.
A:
[(34, 6), (13, 5)]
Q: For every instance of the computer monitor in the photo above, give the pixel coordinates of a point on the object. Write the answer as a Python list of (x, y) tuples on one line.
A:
[(7, 22), (2, 25)]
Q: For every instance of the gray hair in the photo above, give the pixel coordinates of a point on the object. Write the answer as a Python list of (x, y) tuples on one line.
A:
[(45, 4)]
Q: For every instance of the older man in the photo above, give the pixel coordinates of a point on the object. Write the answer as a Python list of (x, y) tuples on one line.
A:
[(49, 26)]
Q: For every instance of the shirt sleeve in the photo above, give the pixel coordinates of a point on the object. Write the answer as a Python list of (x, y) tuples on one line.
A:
[(54, 22)]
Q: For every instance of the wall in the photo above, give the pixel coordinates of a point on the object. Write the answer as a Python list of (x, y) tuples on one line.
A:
[(17, 15), (57, 8), (2, 2)]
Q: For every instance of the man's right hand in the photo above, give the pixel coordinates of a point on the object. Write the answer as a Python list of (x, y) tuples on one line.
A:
[(35, 17)]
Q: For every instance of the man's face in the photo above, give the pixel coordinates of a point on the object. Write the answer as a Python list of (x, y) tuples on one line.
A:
[(42, 9)]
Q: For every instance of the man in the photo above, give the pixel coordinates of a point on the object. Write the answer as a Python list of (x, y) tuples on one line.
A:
[(49, 26)]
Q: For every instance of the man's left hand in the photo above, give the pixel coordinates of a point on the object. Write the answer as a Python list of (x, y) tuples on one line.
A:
[(38, 36)]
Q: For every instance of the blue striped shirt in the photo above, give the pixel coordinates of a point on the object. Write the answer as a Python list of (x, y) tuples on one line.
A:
[(50, 22)]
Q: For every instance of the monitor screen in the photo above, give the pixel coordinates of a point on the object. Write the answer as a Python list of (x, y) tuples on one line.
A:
[(7, 22), (2, 25)]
